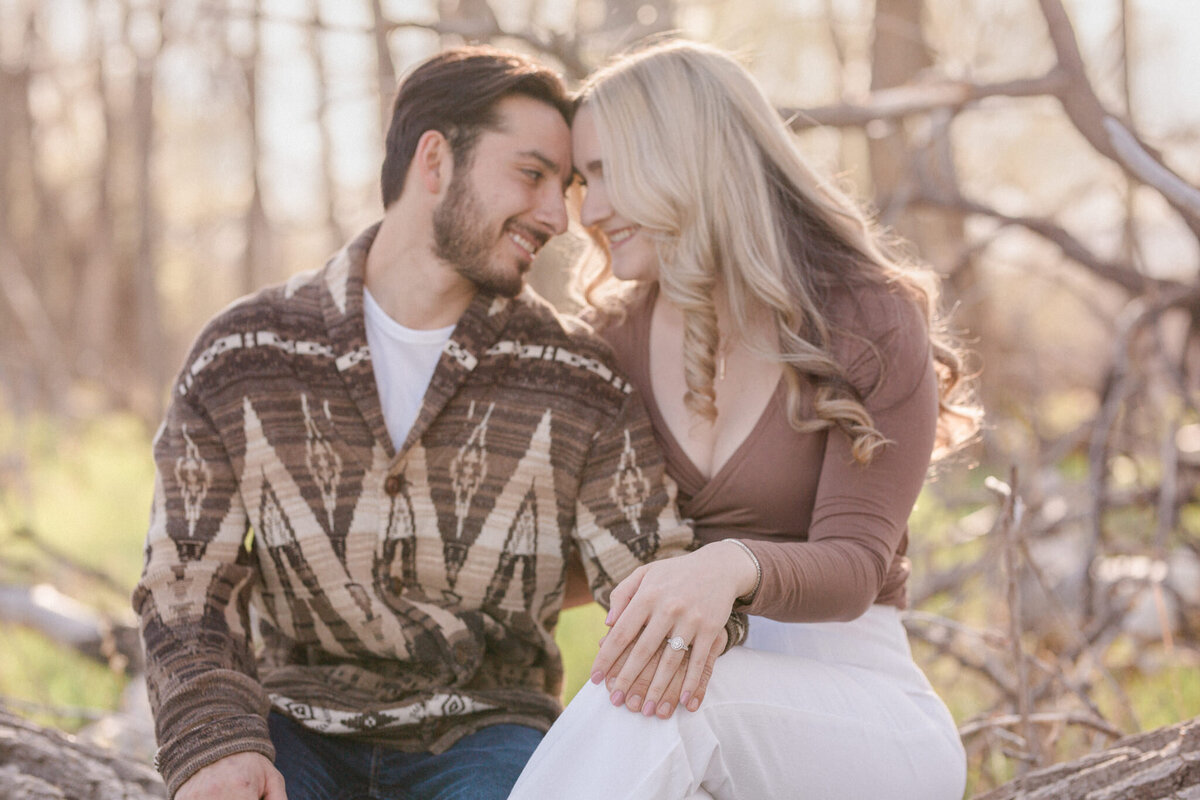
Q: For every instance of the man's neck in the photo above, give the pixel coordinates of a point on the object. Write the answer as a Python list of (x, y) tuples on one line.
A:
[(411, 285)]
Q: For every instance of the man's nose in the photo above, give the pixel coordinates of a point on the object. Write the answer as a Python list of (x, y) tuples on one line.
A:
[(552, 212)]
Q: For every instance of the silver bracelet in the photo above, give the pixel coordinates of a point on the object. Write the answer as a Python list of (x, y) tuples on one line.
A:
[(748, 598)]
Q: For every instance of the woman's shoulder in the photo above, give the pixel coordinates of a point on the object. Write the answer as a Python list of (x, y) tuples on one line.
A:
[(877, 311), (880, 336)]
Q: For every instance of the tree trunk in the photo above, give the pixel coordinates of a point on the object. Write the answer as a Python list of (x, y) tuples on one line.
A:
[(385, 68), (256, 257), (335, 235), (41, 764), (902, 159), (899, 54), (149, 326), (97, 309), (1163, 764)]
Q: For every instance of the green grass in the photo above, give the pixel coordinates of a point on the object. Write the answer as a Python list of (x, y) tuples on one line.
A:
[(578, 637), (49, 676), (84, 493)]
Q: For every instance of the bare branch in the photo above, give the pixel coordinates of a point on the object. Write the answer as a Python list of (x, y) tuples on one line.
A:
[(62, 619), (563, 49), (1012, 513), (1120, 273), (1134, 156), (903, 101), (970, 729), (1102, 130)]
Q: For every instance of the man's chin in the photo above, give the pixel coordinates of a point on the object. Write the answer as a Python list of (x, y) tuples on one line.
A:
[(501, 275), (502, 286), (508, 290)]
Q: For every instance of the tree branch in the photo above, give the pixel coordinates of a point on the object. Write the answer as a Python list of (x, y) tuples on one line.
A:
[(903, 101), (1120, 273), (1102, 130)]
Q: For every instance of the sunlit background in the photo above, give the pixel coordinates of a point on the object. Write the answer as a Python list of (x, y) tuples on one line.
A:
[(160, 159)]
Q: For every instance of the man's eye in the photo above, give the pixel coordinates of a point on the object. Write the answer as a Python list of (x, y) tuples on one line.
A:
[(533, 174)]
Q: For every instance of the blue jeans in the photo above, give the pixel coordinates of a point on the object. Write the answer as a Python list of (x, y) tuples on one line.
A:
[(482, 766)]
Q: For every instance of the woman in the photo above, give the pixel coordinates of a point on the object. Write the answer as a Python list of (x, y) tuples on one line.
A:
[(798, 386)]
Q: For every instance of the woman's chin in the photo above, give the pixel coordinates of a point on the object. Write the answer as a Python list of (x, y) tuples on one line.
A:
[(633, 272)]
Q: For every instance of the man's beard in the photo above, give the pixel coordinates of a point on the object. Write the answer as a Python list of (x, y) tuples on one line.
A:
[(463, 238)]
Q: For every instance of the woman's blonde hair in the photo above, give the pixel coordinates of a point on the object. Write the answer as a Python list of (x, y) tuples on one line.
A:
[(695, 153)]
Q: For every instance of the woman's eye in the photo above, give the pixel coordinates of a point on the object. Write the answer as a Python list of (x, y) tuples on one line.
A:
[(533, 174)]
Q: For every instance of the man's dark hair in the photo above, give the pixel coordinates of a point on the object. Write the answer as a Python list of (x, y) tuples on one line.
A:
[(456, 93)]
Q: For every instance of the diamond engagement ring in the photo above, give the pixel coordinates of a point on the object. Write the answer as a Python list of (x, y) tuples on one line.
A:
[(677, 643)]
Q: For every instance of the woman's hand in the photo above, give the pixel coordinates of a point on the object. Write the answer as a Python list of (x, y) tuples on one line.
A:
[(689, 597), (664, 706)]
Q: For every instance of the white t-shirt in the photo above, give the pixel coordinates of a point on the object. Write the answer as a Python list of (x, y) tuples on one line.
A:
[(404, 360)]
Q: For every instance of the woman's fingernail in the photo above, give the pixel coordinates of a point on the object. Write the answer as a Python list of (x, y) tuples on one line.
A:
[(683, 698), (648, 708), (609, 619), (597, 676), (617, 697), (693, 704), (664, 711), (636, 702)]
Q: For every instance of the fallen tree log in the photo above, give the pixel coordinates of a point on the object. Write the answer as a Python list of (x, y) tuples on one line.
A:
[(1162, 764), (62, 619), (38, 763)]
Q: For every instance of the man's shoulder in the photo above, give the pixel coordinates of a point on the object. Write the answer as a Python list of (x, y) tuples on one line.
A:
[(293, 303), (537, 321), (283, 318), (573, 357)]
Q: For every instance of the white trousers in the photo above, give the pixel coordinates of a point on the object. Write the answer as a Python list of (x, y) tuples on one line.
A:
[(834, 710)]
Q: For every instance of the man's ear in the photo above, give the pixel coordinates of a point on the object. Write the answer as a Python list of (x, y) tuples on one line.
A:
[(434, 162)]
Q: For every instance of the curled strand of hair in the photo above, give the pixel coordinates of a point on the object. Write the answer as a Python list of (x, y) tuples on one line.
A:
[(700, 338), (959, 415), (836, 403), (689, 287), (852, 419)]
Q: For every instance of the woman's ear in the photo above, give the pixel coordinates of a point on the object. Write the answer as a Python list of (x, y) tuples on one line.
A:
[(433, 162)]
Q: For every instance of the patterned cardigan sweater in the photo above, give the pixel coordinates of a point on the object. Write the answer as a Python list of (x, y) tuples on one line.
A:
[(408, 597)]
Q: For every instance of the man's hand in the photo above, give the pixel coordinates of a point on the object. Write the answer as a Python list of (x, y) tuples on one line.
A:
[(241, 776)]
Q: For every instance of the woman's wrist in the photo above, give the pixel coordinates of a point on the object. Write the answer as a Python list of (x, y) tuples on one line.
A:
[(749, 572)]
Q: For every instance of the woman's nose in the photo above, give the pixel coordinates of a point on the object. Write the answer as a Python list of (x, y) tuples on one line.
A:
[(595, 207)]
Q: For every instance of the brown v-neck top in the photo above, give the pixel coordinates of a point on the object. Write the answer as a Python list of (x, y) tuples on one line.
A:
[(830, 534)]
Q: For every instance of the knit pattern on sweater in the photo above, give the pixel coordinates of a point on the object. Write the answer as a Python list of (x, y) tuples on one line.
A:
[(408, 597)]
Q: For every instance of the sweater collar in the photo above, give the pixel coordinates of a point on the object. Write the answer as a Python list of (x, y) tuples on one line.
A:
[(477, 329)]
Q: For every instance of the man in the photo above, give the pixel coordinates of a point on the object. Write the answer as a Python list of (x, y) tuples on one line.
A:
[(388, 459)]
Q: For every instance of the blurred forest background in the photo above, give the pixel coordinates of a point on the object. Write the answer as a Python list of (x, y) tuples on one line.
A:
[(159, 159)]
